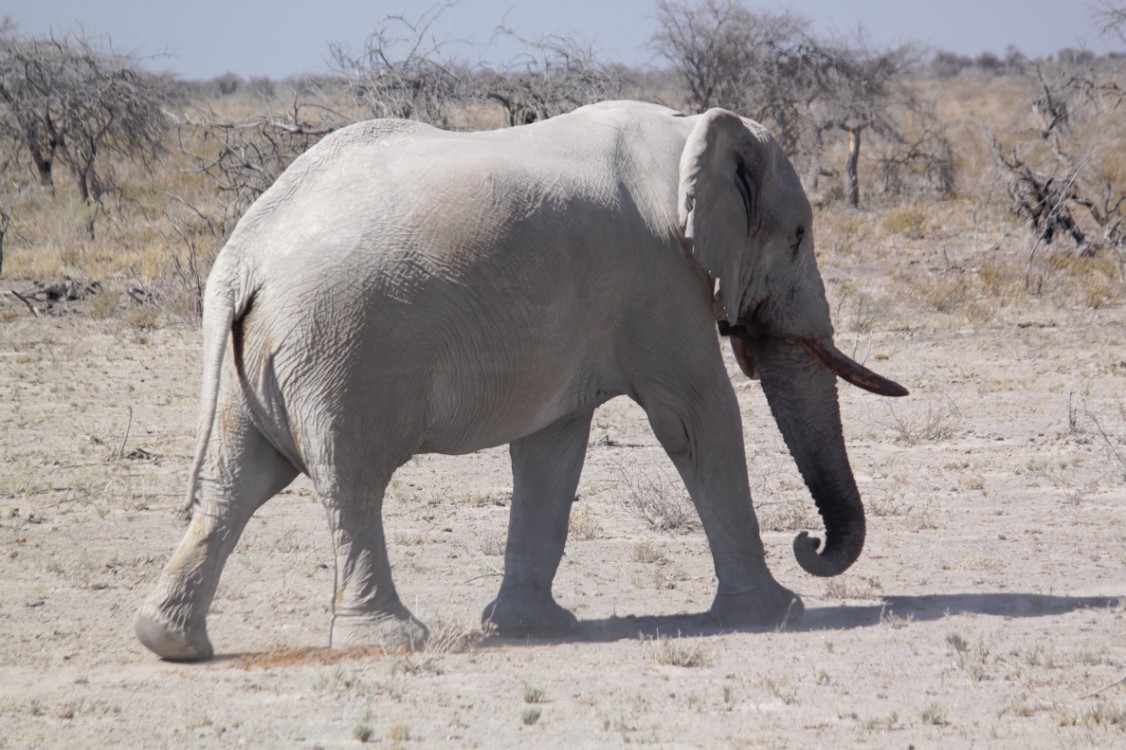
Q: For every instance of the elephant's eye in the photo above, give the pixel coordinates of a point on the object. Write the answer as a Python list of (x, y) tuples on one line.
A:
[(799, 233)]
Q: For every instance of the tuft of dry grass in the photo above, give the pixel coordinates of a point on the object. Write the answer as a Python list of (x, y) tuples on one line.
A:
[(454, 638), (788, 515), (493, 544), (655, 498), (910, 222), (934, 714), (646, 551), (941, 421), (844, 233), (582, 524), (682, 652), (445, 638)]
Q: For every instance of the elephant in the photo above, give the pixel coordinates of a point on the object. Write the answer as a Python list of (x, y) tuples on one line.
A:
[(402, 290)]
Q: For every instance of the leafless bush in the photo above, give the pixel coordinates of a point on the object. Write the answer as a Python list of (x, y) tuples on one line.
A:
[(1060, 182), (555, 75), (402, 70), (1114, 441), (941, 421), (241, 161), (657, 499)]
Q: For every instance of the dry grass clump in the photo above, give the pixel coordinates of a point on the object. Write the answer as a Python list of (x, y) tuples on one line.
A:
[(493, 544), (940, 421), (583, 525), (445, 638), (844, 232), (682, 652), (859, 310), (455, 638), (788, 515), (956, 293), (910, 222), (1092, 281), (646, 551), (934, 714), (657, 499)]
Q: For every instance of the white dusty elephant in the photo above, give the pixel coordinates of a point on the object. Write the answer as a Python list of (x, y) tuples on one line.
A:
[(405, 290)]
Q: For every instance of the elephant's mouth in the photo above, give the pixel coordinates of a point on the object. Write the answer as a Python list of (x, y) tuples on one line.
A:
[(821, 349)]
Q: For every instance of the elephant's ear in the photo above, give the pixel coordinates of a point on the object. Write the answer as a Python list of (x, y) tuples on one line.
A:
[(721, 171)]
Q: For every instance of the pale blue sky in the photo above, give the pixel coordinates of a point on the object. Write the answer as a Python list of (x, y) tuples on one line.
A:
[(204, 38)]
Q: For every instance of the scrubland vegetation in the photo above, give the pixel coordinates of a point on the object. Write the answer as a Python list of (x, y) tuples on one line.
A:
[(131, 180), (969, 227)]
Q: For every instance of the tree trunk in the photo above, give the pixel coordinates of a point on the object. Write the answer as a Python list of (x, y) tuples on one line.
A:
[(43, 168), (813, 176), (5, 223), (852, 180)]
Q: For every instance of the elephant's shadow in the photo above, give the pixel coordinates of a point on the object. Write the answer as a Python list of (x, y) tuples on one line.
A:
[(922, 608)]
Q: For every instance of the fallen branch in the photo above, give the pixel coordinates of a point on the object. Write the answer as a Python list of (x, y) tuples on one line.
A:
[(1119, 681), (26, 301), (125, 439)]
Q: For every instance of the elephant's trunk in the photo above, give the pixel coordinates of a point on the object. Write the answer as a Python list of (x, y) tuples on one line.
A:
[(802, 394)]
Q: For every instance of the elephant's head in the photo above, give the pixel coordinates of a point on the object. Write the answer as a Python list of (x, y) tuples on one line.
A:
[(749, 224)]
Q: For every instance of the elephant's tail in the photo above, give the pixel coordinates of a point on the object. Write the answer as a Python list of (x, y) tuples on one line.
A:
[(225, 299)]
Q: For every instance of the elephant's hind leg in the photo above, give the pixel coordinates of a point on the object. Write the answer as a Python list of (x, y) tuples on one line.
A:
[(545, 470), (366, 610), (241, 472)]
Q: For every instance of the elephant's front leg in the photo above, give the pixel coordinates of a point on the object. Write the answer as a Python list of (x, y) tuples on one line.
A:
[(545, 471), (700, 428), (366, 610)]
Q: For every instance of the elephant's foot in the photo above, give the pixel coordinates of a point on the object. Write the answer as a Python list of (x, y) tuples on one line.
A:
[(168, 639), (767, 604), (398, 629), (540, 615)]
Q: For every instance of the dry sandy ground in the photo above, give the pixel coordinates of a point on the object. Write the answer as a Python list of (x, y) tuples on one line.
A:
[(988, 609)]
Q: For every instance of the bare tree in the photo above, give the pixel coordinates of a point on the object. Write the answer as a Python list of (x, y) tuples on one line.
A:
[(769, 67), (555, 75), (74, 100), (243, 159), (402, 70), (728, 56), (1110, 15), (31, 113), (856, 89)]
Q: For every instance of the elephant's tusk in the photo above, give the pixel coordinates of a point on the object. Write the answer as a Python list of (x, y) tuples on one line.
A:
[(850, 370)]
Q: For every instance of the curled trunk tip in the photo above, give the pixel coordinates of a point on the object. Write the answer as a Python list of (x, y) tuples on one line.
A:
[(831, 561)]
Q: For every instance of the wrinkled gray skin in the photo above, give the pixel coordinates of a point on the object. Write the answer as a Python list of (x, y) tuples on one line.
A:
[(404, 290)]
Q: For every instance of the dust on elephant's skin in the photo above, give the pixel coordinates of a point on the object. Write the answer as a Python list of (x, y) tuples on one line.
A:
[(402, 290)]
